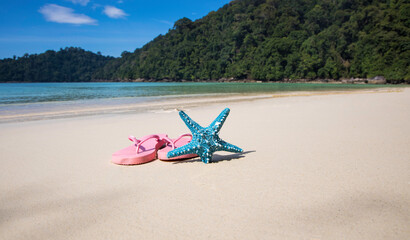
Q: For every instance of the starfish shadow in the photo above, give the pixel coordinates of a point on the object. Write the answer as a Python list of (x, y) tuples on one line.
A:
[(217, 158)]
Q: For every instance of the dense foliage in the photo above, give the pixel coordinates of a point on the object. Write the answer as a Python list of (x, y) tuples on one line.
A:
[(68, 65), (278, 39)]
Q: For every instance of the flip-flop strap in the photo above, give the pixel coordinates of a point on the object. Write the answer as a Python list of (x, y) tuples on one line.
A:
[(169, 140), (138, 142), (180, 137)]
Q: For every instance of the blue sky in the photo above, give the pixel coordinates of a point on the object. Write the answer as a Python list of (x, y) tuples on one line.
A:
[(108, 26)]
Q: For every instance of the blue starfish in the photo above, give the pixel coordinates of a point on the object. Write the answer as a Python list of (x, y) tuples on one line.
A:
[(205, 141)]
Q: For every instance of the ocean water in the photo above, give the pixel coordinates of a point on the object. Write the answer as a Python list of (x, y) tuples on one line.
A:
[(22, 93), (38, 100)]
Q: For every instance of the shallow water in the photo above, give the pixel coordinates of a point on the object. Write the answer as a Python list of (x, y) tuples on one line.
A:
[(19, 101)]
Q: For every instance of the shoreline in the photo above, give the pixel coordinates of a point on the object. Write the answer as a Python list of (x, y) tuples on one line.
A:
[(157, 104), (348, 81), (375, 80)]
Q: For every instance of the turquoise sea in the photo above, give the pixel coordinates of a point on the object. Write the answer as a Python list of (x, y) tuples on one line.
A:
[(22, 100)]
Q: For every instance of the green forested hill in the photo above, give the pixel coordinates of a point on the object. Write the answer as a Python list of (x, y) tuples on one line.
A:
[(67, 65), (278, 39)]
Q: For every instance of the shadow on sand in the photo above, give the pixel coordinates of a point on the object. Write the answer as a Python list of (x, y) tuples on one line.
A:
[(217, 158)]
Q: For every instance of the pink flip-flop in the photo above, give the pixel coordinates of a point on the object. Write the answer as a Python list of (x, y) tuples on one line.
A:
[(171, 144), (142, 151)]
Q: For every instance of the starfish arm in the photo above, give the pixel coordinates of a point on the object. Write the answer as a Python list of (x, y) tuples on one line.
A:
[(206, 155), (191, 124), (230, 147), (190, 148), (217, 124)]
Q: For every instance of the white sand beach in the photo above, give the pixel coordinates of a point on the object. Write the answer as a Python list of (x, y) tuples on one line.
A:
[(315, 167)]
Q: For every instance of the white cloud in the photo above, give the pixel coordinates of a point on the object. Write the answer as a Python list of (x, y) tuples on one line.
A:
[(96, 5), (114, 12), (81, 2), (164, 22), (59, 14)]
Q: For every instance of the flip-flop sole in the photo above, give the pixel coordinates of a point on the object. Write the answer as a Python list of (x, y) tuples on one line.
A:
[(129, 155)]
